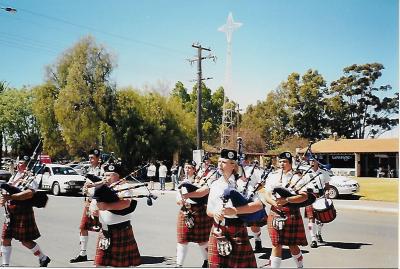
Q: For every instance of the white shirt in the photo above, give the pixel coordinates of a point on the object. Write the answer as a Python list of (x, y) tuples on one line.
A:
[(318, 183), (162, 171), (151, 170), (17, 180), (279, 179), (107, 217), (217, 189), (184, 191)]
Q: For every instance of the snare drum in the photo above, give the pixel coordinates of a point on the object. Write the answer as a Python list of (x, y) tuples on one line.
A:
[(324, 210)]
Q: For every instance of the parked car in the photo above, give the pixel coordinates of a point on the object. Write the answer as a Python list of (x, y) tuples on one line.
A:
[(339, 185), (58, 179)]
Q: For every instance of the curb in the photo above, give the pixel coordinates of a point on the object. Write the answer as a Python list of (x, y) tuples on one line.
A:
[(369, 208)]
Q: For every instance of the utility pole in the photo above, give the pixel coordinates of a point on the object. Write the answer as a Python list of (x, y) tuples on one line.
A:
[(199, 93)]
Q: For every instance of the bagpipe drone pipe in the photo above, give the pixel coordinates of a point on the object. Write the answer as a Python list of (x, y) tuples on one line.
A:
[(285, 192), (108, 194), (192, 188), (39, 198)]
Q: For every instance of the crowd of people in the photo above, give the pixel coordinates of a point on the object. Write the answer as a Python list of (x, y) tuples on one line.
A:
[(218, 205)]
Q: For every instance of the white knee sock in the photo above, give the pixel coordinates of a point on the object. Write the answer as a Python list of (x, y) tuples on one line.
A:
[(6, 254), (311, 228), (83, 241), (298, 260), (37, 252), (181, 251), (275, 262), (204, 250), (319, 228)]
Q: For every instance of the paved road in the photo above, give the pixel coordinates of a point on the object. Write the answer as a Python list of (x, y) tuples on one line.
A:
[(357, 238)]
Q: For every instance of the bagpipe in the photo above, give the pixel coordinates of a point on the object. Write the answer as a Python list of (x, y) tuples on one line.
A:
[(287, 191), (39, 198), (192, 188)]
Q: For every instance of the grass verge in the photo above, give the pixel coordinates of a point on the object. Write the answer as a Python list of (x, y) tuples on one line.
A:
[(378, 189)]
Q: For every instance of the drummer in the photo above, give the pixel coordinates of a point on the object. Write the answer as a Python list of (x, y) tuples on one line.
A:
[(319, 186)]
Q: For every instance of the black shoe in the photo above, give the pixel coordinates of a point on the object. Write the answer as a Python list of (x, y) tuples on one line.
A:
[(314, 244), (258, 246), (79, 258), (44, 262), (319, 238), (205, 264)]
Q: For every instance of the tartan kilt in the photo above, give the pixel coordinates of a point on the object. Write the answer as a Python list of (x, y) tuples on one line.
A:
[(22, 224), (89, 223), (242, 254), (202, 226), (293, 232), (122, 252)]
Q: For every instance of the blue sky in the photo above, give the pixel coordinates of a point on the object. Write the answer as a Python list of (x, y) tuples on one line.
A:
[(152, 39)]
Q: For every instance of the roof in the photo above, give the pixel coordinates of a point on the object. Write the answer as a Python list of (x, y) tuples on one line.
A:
[(355, 146)]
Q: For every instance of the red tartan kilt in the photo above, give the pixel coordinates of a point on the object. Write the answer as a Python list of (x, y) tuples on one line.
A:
[(89, 223), (122, 252), (309, 212), (202, 225), (293, 232), (242, 254), (22, 224)]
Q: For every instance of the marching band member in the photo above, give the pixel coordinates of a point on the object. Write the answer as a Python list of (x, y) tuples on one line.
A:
[(285, 224), (116, 244), (20, 221), (193, 224), (229, 244), (319, 186), (244, 187), (90, 219)]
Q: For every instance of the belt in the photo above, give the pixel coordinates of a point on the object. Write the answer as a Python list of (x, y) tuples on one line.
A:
[(232, 222), (119, 225)]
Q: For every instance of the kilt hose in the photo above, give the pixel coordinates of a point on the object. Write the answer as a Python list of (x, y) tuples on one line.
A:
[(123, 250), (22, 224), (202, 226), (242, 255), (89, 223), (293, 231), (309, 212)]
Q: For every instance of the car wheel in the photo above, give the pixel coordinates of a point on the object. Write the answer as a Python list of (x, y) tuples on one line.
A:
[(333, 193), (55, 189)]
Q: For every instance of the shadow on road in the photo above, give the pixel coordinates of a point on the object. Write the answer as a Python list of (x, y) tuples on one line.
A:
[(285, 253), (344, 245), (350, 197), (155, 260)]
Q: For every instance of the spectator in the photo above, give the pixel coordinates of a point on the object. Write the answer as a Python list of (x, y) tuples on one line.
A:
[(151, 174), (174, 175), (162, 174)]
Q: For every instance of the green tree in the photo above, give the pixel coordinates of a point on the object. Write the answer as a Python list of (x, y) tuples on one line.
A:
[(305, 104), (85, 96), (356, 107)]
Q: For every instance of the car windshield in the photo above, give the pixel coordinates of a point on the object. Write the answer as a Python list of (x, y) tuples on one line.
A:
[(63, 171)]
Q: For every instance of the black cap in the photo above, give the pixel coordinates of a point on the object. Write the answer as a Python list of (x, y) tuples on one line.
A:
[(229, 154), (113, 167), (312, 158), (95, 152), (286, 155), (190, 162)]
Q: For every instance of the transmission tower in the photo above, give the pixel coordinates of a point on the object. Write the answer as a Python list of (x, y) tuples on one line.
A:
[(228, 110)]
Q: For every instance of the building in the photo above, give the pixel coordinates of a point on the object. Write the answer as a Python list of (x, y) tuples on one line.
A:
[(359, 157)]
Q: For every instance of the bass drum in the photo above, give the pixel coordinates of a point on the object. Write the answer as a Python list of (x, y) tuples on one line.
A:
[(324, 210)]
